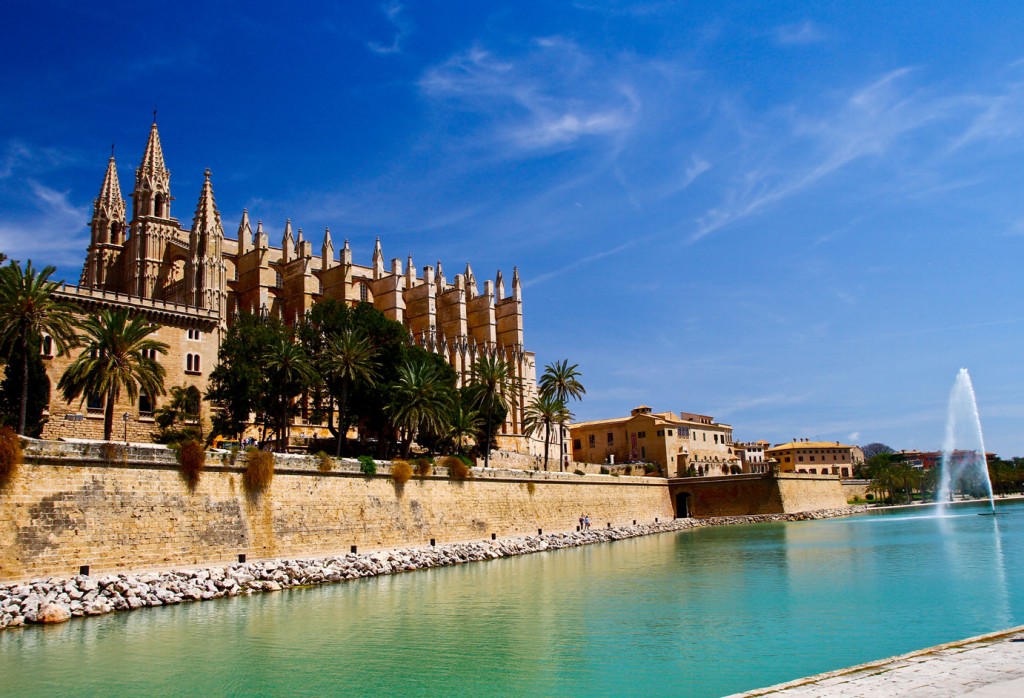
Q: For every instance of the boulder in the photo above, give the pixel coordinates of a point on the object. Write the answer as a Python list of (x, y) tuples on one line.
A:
[(53, 613)]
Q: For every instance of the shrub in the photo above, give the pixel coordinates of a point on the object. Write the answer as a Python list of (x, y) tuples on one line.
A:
[(628, 470), (113, 452), (648, 468), (367, 466), (870, 497), (259, 471), (401, 471), (10, 455), (422, 467), (579, 472), (324, 462), (531, 487), (466, 460), (191, 461), (604, 470), (457, 469)]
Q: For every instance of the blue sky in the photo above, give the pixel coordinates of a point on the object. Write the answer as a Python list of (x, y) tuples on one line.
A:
[(800, 219)]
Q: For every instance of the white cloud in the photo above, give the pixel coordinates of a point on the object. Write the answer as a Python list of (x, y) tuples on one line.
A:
[(805, 32), (55, 234), (403, 28)]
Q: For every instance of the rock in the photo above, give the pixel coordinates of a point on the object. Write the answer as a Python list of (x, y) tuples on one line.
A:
[(53, 613)]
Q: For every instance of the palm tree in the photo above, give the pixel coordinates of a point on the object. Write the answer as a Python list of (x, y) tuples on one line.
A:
[(28, 310), (492, 380), (116, 357), (542, 412), (347, 359), (420, 402), (463, 423), (287, 371), (561, 381)]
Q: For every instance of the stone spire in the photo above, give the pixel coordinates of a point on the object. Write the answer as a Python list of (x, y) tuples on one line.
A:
[(378, 260), (346, 253), (287, 242), (107, 228), (261, 238), (499, 286), (205, 274), (244, 233), (517, 287), (152, 195), (327, 251), (410, 273), (471, 289), (206, 223), (439, 275)]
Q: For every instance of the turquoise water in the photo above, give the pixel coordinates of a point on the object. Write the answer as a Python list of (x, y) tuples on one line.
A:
[(699, 613)]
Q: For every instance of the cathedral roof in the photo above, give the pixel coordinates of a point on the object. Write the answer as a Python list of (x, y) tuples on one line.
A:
[(153, 158)]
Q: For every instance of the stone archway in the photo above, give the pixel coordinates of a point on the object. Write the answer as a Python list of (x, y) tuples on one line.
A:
[(682, 505)]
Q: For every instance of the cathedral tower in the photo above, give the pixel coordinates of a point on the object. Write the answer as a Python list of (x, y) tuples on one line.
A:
[(107, 231)]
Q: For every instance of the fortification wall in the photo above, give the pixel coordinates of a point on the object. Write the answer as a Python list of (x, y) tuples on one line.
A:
[(742, 495), (68, 507)]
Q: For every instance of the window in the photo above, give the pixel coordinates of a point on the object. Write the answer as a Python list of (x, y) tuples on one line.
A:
[(799, 458), (611, 437), (149, 354), (46, 347), (643, 434), (94, 403), (670, 432), (278, 279), (145, 404), (812, 459), (192, 364), (195, 335), (364, 296), (592, 441), (576, 445)]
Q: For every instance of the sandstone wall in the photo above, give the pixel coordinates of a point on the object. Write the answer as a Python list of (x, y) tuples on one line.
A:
[(73, 508), (742, 495)]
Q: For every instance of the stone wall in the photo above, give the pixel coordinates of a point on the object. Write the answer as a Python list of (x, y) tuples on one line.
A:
[(741, 495), (73, 505)]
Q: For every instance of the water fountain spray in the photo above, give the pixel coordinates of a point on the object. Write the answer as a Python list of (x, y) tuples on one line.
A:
[(964, 466)]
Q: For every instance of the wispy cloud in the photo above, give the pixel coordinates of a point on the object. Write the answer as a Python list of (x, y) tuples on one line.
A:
[(55, 232), (805, 32), (551, 97), (402, 26)]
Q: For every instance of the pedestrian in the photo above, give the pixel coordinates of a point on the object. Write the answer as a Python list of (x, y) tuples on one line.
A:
[(581, 522), (586, 522)]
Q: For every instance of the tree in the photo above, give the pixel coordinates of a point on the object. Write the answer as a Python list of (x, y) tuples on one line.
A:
[(115, 358), (11, 392), (421, 400), (542, 412), (492, 380), (463, 423), (175, 417), (875, 449), (348, 358), (238, 380), (287, 371), (29, 309), (561, 381)]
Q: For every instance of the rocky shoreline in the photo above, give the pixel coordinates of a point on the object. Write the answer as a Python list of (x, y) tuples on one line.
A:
[(56, 600)]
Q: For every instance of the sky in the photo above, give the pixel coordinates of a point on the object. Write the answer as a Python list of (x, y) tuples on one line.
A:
[(800, 218)]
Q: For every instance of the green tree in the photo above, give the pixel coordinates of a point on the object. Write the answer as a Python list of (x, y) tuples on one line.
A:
[(561, 381), (288, 371), (29, 308), (238, 380), (491, 382), (115, 358), (177, 416), (347, 359), (463, 423), (11, 392), (542, 412), (421, 400)]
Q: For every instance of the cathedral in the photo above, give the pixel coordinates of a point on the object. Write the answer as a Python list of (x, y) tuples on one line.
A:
[(193, 282)]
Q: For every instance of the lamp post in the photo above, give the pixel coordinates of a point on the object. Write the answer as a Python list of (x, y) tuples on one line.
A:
[(127, 416)]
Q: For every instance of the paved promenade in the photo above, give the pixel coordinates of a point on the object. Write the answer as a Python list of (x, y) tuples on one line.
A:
[(987, 666)]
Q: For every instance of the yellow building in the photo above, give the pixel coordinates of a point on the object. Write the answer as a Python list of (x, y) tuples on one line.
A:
[(814, 457), (679, 444)]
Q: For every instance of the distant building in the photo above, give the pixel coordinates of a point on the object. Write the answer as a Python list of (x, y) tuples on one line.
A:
[(814, 457), (752, 456), (676, 443)]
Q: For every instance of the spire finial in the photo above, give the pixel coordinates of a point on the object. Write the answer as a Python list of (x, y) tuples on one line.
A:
[(111, 150), (154, 114)]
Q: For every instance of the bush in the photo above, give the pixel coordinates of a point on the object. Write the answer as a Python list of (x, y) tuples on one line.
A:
[(531, 487), (10, 455), (112, 452), (628, 470), (579, 472), (259, 471), (367, 466), (466, 460), (870, 497), (324, 462), (401, 471), (422, 467), (191, 461), (604, 470), (457, 468)]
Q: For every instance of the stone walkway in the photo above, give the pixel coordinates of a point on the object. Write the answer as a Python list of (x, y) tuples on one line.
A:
[(987, 666)]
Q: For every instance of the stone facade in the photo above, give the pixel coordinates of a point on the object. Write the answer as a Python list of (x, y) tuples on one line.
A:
[(192, 282), (813, 457), (742, 495)]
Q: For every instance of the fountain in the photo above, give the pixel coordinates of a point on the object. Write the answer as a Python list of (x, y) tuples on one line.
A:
[(964, 466)]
